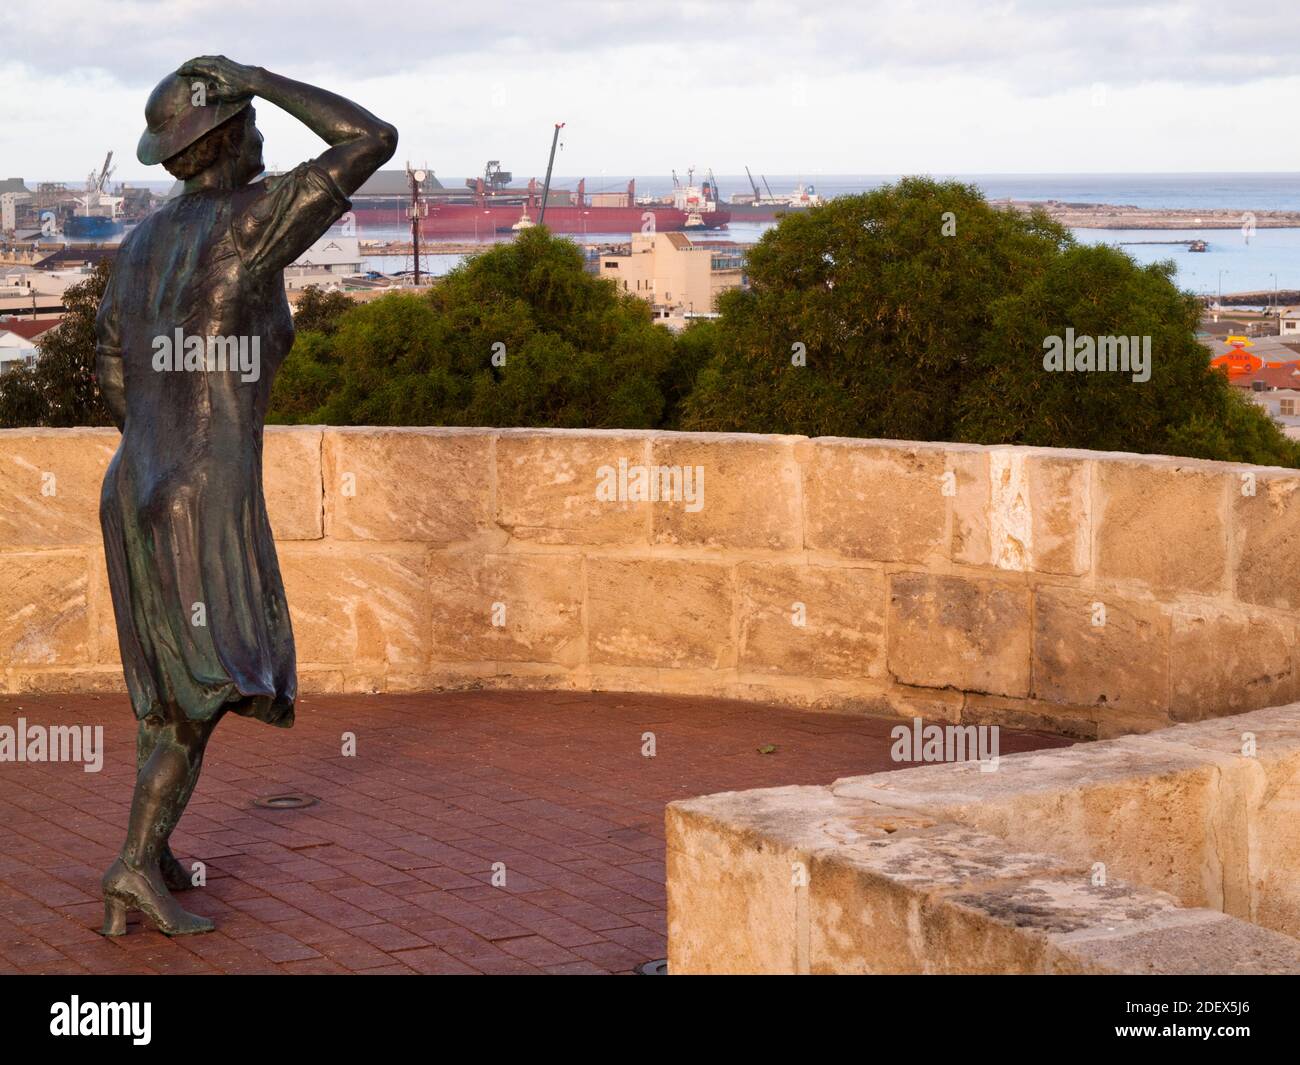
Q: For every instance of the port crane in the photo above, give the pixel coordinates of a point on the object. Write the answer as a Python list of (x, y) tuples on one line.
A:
[(546, 185), (95, 185)]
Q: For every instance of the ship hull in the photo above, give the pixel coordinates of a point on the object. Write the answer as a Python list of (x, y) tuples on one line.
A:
[(748, 212), (93, 227), (467, 219)]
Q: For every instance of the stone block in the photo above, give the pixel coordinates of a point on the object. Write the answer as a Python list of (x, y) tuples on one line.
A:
[(50, 482), (358, 605), (949, 631), (515, 608), (432, 485), (1122, 663), (973, 508), (660, 612), (551, 486), (747, 492), (815, 621), (1266, 528), (44, 616), (102, 619), (1061, 513), (291, 482), (872, 500), (1162, 522), (1149, 813), (1229, 662)]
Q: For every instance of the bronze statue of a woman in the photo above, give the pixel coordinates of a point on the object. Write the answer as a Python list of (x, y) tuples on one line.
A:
[(192, 328)]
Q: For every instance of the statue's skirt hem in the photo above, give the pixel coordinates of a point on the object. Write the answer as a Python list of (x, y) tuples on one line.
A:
[(277, 710)]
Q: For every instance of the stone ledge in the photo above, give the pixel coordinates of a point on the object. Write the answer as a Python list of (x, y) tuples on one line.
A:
[(1119, 856)]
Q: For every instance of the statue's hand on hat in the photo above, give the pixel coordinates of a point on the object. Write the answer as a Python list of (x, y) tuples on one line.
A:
[(226, 79)]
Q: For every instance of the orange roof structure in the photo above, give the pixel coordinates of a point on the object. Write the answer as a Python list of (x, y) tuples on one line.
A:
[(1237, 361)]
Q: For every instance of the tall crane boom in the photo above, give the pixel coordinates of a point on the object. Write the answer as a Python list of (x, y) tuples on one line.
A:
[(546, 185), (104, 172)]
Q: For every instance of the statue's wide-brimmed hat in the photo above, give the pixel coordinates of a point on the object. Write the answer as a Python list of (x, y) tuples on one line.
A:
[(175, 120)]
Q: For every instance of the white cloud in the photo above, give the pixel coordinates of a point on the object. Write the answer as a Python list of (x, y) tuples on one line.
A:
[(884, 86)]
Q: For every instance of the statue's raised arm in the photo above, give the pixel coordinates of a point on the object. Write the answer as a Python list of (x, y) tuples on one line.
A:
[(359, 142)]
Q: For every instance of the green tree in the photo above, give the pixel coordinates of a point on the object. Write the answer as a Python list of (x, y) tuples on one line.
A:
[(60, 390), (884, 304), (919, 311), (306, 379), (519, 335), (1184, 408), (319, 311)]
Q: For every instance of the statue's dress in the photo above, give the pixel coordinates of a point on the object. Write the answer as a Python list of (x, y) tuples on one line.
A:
[(202, 620)]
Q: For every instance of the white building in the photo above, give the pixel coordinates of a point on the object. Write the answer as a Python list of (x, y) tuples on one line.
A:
[(326, 264), (18, 340), (26, 291)]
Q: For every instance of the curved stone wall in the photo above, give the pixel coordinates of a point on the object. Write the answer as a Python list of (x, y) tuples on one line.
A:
[(1092, 593)]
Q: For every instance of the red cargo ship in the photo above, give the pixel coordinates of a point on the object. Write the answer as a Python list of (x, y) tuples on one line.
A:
[(489, 207)]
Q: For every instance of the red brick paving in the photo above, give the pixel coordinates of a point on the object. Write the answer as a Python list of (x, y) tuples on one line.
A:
[(390, 872)]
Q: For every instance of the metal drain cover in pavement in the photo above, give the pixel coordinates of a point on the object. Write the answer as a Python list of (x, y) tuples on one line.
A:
[(283, 802), (653, 968)]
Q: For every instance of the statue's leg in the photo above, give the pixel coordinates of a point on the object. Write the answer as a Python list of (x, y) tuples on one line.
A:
[(163, 786), (174, 873)]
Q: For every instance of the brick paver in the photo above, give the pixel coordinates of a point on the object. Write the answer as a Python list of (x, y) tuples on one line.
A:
[(391, 870)]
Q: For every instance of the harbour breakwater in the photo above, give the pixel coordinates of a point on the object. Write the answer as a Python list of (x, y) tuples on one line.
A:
[(1122, 216)]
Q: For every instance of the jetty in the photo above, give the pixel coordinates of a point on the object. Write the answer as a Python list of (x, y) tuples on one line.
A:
[(1127, 216)]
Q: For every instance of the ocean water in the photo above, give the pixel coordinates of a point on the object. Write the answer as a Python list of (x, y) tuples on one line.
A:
[(1270, 258), (1247, 192)]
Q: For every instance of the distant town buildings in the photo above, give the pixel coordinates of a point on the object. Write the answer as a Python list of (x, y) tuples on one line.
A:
[(332, 263), (1277, 390), (678, 277), (18, 341), (34, 291), (1268, 370)]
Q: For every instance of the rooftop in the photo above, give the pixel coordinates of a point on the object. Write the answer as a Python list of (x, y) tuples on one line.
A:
[(395, 183), (28, 328), (1271, 376)]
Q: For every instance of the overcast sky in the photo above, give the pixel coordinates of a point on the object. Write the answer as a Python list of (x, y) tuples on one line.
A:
[(816, 87)]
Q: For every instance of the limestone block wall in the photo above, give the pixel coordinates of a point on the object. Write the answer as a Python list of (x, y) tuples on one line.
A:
[(1171, 852), (1093, 593)]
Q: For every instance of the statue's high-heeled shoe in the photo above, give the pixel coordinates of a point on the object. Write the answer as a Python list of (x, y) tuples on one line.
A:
[(127, 889)]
